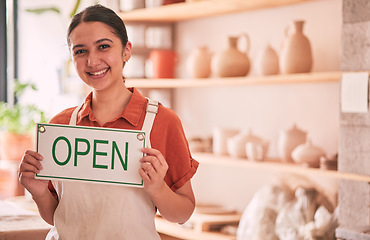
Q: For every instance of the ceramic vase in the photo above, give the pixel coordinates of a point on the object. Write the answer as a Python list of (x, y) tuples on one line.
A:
[(267, 61), (232, 62), (296, 54), (288, 140), (199, 62)]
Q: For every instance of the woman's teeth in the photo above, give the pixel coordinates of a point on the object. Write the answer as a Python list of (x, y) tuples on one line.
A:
[(98, 73)]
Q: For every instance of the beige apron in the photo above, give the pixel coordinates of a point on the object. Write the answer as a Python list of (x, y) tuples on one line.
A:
[(100, 211)]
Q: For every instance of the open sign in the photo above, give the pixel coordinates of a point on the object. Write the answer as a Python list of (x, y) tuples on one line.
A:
[(104, 155)]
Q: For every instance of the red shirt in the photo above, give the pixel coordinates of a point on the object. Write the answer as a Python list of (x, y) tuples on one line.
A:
[(167, 134)]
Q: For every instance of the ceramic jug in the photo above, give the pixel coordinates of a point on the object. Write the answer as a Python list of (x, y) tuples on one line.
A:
[(267, 62), (288, 140), (296, 54), (199, 62), (236, 146), (232, 62), (308, 154), (220, 137), (161, 64)]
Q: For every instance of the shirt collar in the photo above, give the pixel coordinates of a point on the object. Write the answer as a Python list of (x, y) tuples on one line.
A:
[(132, 112)]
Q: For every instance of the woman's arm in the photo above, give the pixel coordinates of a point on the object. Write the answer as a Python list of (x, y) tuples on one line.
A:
[(45, 201), (174, 206)]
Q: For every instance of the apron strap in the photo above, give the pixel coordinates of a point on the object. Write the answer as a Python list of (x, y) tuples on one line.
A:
[(151, 111), (73, 119)]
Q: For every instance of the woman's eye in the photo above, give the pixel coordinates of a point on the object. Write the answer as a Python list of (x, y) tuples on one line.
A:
[(80, 51), (104, 46)]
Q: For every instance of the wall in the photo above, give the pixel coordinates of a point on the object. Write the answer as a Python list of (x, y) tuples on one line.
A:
[(266, 109), (43, 53), (355, 127)]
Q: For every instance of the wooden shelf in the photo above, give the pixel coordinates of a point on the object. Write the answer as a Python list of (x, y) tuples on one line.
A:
[(316, 77), (207, 8), (178, 231), (275, 165)]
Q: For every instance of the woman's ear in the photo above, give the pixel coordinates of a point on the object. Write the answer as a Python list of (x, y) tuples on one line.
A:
[(127, 51)]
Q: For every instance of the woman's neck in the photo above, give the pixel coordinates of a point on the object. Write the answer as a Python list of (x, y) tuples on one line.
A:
[(107, 105)]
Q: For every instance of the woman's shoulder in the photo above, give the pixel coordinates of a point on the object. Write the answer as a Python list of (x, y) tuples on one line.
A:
[(63, 117), (167, 117)]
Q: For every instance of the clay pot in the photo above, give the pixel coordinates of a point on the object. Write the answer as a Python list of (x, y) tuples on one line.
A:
[(308, 155), (161, 64), (296, 55), (13, 146), (288, 141), (236, 146), (199, 62), (267, 61), (232, 62), (220, 137)]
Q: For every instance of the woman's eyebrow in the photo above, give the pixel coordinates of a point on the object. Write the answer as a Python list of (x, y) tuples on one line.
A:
[(103, 39)]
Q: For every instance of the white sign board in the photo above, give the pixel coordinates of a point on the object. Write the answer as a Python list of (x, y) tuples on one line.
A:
[(104, 155)]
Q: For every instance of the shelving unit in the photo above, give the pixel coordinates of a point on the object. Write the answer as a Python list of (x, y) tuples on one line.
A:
[(237, 81), (209, 8), (277, 166), (194, 10)]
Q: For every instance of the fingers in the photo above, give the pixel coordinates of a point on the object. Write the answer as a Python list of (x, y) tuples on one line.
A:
[(30, 163), (155, 158)]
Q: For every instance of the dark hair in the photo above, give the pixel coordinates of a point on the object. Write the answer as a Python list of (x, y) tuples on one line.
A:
[(99, 13)]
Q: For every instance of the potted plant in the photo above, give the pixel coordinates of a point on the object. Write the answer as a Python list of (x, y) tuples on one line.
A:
[(16, 124)]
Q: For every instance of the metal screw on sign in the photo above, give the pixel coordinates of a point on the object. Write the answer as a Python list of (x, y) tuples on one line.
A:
[(42, 129), (140, 136)]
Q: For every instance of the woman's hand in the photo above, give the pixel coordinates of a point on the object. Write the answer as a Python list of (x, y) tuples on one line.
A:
[(153, 170), (29, 166)]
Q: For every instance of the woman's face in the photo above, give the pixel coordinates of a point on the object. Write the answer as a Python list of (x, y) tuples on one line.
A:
[(98, 55)]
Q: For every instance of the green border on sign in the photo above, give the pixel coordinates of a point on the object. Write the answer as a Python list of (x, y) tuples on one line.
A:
[(86, 127)]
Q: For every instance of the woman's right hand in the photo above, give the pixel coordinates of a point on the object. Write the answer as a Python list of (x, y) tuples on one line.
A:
[(29, 166)]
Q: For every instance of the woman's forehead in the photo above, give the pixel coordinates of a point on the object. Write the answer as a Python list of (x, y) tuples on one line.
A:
[(92, 31)]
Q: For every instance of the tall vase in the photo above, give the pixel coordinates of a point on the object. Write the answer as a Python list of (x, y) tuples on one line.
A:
[(296, 55), (199, 62), (232, 62)]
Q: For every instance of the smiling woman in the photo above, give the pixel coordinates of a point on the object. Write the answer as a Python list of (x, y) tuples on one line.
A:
[(99, 47)]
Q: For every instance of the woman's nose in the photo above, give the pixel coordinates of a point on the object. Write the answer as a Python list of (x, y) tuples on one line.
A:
[(93, 60)]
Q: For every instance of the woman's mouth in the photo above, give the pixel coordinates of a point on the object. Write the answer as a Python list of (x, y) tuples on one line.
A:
[(98, 72)]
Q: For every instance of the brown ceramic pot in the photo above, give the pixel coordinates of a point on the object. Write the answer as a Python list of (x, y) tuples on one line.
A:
[(199, 62), (296, 55), (13, 146), (232, 62)]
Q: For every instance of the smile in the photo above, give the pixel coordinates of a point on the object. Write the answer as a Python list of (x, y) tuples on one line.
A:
[(98, 73)]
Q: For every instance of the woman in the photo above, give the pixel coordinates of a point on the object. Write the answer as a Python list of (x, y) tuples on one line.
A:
[(100, 48)]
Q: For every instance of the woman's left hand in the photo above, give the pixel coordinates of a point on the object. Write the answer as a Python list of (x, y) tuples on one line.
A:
[(153, 170)]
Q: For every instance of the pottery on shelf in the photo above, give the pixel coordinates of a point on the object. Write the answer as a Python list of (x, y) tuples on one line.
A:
[(220, 137), (288, 140), (161, 64), (308, 154), (199, 62), (267, 62), (232, 62), (236, 146), (296, 54), (256, 150)]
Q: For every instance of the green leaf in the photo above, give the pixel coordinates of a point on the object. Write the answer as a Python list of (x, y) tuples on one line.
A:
[(75, 8), (43, 10)]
